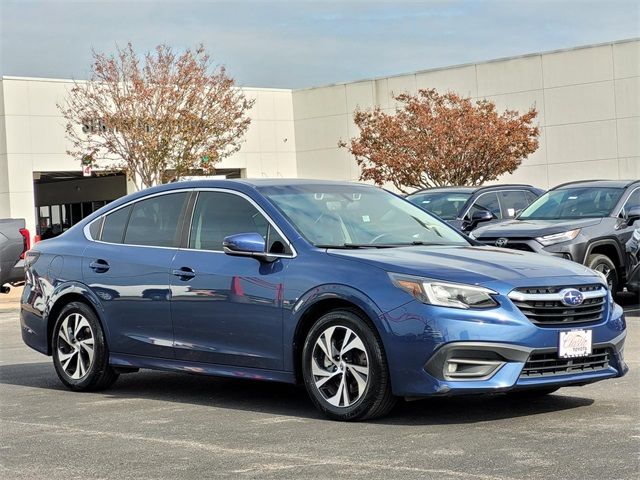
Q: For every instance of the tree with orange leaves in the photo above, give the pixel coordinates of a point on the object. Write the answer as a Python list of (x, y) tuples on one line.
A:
[(435, 140)]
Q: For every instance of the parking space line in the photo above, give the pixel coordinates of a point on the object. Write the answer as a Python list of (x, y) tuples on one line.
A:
[(244, 452)]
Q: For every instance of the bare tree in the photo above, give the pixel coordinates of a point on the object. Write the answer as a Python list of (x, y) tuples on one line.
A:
[(156, 117)]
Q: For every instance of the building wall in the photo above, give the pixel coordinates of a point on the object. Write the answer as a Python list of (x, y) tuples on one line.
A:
[(588, 101), (32, 139)]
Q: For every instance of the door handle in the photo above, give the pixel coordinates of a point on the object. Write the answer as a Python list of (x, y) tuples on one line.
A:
[(184, 273), (99, 266)]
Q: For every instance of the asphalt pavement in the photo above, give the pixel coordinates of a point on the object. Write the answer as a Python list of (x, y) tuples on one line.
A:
[(152, 425)]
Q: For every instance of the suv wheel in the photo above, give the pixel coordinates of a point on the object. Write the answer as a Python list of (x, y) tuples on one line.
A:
[(345, 369), (80, 353), (604, 265)]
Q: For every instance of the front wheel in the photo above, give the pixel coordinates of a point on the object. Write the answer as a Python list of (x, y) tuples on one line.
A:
[(80, 354), (603, 264), (344, 368)]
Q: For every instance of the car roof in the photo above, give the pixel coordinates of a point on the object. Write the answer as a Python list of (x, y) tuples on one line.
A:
[(597, 183), (455, 189)]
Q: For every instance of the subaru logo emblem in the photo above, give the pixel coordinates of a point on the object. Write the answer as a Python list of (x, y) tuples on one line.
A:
[(502, 242), (571, 297)]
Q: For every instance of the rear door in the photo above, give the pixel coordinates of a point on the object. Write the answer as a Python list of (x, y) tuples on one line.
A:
[(128, 269)]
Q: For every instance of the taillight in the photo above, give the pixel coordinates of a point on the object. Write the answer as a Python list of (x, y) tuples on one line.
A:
[(26, 241)]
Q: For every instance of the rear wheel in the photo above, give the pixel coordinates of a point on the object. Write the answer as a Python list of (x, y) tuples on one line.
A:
[(603, 264), (80, 354), (345, 369)]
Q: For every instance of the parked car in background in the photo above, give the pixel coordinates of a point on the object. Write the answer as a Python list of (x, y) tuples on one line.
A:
[(588, 222), (354, 292), (14, 242), (633, 252), (465, 207)]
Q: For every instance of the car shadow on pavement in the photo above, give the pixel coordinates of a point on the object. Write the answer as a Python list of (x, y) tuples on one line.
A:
[(289, 400)]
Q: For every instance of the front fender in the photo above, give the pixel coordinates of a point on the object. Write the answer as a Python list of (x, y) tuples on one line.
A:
[(329, 292)]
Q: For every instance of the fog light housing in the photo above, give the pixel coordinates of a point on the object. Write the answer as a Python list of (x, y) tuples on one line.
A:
[(470, 368)]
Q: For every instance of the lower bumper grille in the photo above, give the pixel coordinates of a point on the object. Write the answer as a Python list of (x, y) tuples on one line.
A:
[(548, 364)]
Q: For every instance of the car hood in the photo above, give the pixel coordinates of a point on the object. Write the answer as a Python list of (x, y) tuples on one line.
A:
[(467, 264), (532, 228)]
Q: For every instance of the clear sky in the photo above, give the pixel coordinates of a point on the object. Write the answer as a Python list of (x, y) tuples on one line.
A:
[(305, 43)]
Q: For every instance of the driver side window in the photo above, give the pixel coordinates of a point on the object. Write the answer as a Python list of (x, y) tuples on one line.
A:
[(487, 202), (219, 214)]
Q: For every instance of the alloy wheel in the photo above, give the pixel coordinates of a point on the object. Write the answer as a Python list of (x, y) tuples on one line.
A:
[(75, 346), (607, 272), (340, 366)]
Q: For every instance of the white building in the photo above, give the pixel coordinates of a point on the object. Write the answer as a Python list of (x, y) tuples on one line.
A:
[(588, 100)]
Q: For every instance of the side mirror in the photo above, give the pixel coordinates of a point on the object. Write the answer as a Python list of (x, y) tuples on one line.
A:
[(632, 215), (247, 245), (478, 217)]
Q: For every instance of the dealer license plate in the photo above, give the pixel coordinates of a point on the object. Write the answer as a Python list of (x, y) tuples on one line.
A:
[(575, 343)]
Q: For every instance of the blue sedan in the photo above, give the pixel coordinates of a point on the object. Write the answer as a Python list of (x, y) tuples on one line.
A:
[(347, 288)]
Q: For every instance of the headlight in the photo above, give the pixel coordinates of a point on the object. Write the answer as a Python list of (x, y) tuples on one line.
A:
[(558, 237), (445, 294)]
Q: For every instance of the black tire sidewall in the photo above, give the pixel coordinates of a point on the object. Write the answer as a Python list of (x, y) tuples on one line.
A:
[(100, 352), (377, 365), (598, 259)]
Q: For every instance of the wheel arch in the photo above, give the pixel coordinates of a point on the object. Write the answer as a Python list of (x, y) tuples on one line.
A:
[(610, 249), (65, 294), (322, 300)]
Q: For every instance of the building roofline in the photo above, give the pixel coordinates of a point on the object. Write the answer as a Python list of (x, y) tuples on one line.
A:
[(70, 80), (470, 64)]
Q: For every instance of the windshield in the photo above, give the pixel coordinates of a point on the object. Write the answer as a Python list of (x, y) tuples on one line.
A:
[(447, 205), (571, 203), (357, 216)]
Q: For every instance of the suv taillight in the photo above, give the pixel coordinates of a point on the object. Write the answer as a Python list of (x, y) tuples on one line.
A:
[(26, 241)]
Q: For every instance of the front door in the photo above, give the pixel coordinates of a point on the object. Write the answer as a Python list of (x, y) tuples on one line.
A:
[(228, 310)]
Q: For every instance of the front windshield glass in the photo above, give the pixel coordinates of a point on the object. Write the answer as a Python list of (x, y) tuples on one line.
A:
[(358, 216), (447, 205), (572, 203)]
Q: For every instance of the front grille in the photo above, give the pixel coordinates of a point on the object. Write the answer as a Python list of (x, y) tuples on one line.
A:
[(548, 364), (511, 245), (544, 307)]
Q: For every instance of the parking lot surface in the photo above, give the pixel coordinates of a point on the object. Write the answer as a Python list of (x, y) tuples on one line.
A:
[(166, 425)]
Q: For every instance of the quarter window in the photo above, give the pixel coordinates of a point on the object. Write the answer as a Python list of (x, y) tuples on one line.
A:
[(218, 215), (156, 221)]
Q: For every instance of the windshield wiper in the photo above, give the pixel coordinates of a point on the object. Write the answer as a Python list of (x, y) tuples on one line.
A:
[(350, 246)]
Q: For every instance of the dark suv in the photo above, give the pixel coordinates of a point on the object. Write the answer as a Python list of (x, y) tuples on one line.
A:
[(465, 207), (588, 222)]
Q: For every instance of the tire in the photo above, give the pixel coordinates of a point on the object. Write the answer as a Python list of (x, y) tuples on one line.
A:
[(603, 264), (355, 383), (76, 330), (533, 392)]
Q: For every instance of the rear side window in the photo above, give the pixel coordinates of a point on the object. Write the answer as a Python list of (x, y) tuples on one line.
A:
[(218, 215), (94, 228), (486, 202), (114, 225), (156, 221), (531, 197), (512, 201)]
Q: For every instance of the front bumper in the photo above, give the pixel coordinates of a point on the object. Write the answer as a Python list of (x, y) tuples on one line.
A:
[(425, 339)]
